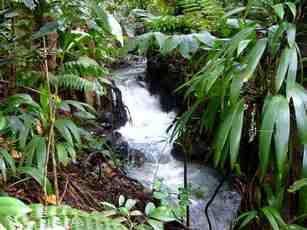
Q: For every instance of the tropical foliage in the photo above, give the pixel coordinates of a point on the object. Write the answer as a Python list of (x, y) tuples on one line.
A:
[(249, 95), (244, 91)]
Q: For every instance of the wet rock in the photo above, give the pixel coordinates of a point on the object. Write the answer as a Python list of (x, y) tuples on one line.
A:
[(136, 157), (164, 75), (106, 120), (112, 112), (200, 151), (118, 143)]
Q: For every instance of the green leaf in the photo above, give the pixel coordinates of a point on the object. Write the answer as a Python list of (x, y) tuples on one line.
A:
[(268, 214), (41, 152), (171, 43), (130, 203), (296, 227), (121, 200), (236, 39), (71, 151), (247, 217), (254, 58), (299, 95), (206, 38), (266, 132), (293, 65), (282, 68), (235, 134), (62, 154), (114, 27), (303, 191), (298, 185), (156, 225), (38, 176), (163, 214), (292, 8), (3, 169), (281, 135), (8, 159), (223, 133), (160, 38), (291, 34), (73, 129), (242, 46), (3, 121), (123, 211), (44, 100), (12, 207), (64, 131), (188, 45), (149, 207), (279, 10)]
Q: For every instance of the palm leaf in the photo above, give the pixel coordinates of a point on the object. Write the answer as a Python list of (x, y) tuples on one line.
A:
[(281, 135)]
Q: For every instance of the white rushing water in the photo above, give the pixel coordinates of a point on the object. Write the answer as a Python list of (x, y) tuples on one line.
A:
[(147, 133)]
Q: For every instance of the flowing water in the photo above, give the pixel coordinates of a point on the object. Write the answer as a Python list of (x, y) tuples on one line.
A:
[(147, 132)]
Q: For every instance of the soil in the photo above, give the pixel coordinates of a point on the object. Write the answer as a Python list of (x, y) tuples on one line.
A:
[(85, 184)]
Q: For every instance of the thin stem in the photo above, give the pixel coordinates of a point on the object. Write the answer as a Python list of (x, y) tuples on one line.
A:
[(51, 141)]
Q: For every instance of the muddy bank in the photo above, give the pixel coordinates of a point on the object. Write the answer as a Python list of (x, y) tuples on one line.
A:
[(86, 183)]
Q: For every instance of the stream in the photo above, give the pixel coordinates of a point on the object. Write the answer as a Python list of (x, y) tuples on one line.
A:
[(147, 133)]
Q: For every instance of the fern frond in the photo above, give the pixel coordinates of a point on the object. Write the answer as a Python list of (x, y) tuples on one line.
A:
[(75, 82), (85, 66), (208, 14), (59, 217)]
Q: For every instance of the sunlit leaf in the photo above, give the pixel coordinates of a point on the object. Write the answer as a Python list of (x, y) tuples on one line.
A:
[(282, 68), (254, 58), (269, 215), (163, 214), (279, 10), (242, 45), (293, 66), (299, 95), (292, 8), (291, 35), (298, 185), (114, 27), (12, 207)]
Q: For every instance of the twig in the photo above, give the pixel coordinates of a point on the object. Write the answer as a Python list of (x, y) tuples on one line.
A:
[(18, 182), (65, 190)]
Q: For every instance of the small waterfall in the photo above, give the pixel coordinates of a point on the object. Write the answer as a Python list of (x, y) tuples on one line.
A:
[(147, 133)]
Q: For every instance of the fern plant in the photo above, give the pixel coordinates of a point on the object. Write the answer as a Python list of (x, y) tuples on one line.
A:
[(202, 14), (16, 215), (85, 74), (28, 123)]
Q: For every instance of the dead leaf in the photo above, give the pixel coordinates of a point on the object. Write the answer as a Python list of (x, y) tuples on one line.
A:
[(39, 127), (15, 154), (51, 199)]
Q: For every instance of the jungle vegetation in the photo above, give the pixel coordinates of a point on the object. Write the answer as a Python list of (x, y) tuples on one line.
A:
[(243, 88)]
